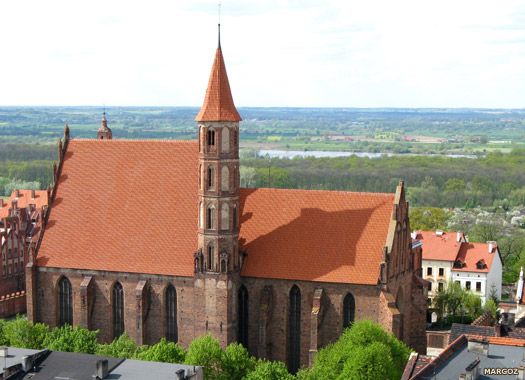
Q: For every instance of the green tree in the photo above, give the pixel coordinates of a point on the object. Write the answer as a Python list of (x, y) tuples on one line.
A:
[(68, 340), (164, 351), (121, 347), (236, 362), (267, 370), (429, 218), (23, 334), (205, 351)]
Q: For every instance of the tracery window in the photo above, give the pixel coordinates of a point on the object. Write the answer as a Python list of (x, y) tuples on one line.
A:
[(210, 218), (242, 333), (172, 333), (294, 339), (65, 302), (211, 257), (348, 310), (211, 177), (211, 137), (118, 310)]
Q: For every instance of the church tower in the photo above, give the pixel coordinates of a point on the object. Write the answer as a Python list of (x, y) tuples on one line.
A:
[(217, 261), (104, 132)]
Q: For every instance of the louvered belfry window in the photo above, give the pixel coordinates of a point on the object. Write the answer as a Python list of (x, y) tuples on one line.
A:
[(294, 354), (172, 333), (65, 302), (118, 310)]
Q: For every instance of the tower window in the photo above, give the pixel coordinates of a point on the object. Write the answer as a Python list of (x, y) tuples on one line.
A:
[(211, 177), (225, 217), (210, 220), (211, 137), (225, 145), (171, 314), (118, 310), (65, 302), (211, 254)]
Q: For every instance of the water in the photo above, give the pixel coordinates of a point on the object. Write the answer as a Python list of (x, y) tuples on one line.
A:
[(321, 153)]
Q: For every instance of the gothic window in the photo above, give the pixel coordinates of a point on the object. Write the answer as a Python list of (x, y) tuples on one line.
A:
[(235, 217), (201, 215), (242, 333), (223, 266), (211, 177), (225, 139), (65, 302), (294, 330), (348, 310), (211, 137), (225, 179), (172, 333), (210, 218), (118, 310), (211, 258), (225, 217)]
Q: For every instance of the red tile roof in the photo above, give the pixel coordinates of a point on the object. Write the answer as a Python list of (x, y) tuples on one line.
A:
[(312, 235), (471, 253), (218, 103), (504, 341), (118, 208), (24, 200), (437, 247)]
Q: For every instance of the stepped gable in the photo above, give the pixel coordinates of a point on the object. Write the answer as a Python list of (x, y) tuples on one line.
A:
[(312, 235), (126, 206), (218, 103)]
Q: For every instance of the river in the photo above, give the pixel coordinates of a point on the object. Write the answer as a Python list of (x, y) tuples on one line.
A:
[(321, 153)]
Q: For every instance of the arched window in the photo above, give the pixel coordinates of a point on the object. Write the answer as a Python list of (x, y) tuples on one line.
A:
[(172, 332), (210, 218), (201, 215), (65, 302), (211, 257), (211, 177), (211, 137), (294, 337), (225, 217), (225, 179), (235, 217), (242, 333), (225, 145), (118, 310), (348, 310)]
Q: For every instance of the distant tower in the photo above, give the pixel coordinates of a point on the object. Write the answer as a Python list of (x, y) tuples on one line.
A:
[(104, 132), (217, 262)]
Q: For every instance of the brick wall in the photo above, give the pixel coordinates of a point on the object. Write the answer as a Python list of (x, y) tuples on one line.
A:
[(12, 304)]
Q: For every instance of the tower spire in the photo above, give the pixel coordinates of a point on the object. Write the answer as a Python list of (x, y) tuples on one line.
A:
[(219, 44)]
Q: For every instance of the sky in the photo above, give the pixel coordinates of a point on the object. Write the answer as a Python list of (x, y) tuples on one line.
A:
[(278, 53)]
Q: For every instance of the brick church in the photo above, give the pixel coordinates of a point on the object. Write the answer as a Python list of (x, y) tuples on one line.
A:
[(156, 239)]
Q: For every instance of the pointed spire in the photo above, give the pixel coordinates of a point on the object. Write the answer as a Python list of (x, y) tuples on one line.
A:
[(218, 102), (104, 132), (219, 44)]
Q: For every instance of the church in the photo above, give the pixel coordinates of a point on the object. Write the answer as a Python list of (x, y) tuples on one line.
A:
[(156, 239)]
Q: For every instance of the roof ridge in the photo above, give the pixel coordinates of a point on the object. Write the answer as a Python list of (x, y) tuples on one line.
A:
[(133, 140), (320, 191)]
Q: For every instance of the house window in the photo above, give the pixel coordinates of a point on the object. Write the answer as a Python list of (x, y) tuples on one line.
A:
[(429, 286), (242, 333), (467, 285), (211, 177), (458, 282), (348, 310), (118, 310), (210, 220), (211, 137), (65, 302), (429, 271), (478, 286), (172, 333), (211, 254), (440, 286), (441, 271), (294, 338)]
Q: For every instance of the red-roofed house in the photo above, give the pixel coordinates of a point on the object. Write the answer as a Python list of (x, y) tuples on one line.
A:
[(155, 239)]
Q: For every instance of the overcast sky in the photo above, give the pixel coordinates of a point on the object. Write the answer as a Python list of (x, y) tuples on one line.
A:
[(284, 53)]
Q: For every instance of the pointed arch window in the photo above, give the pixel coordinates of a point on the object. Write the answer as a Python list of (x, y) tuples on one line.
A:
[(118, 310), (65, 302), (294, 338), (211, 177), (348, 310), (225, 217), (211, 137), (172, 332), (225, 178), (242, 333), (225, 145), (210, 218), (211, 257), (201, 215)]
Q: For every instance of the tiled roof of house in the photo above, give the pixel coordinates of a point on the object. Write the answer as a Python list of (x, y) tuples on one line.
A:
[(472, 253), (23, 200), (218, 103), (119, 208), (459, 329), (314, 235), (436, 247), (132, 206)]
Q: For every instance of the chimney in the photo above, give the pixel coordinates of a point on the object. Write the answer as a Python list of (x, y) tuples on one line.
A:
[(413, 235), (179, 375), (462, 376), (523, 353), (17, 194), (27, 363), (479, 346), (473, 370), (521, 373), (14, 204), (33, 194), (490, 247), (101, 368), (497, 330), (459, 237)]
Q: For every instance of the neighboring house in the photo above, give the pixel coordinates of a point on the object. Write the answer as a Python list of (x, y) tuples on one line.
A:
[(22, 364), (281, 271), (450, 257), (472, 357)]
